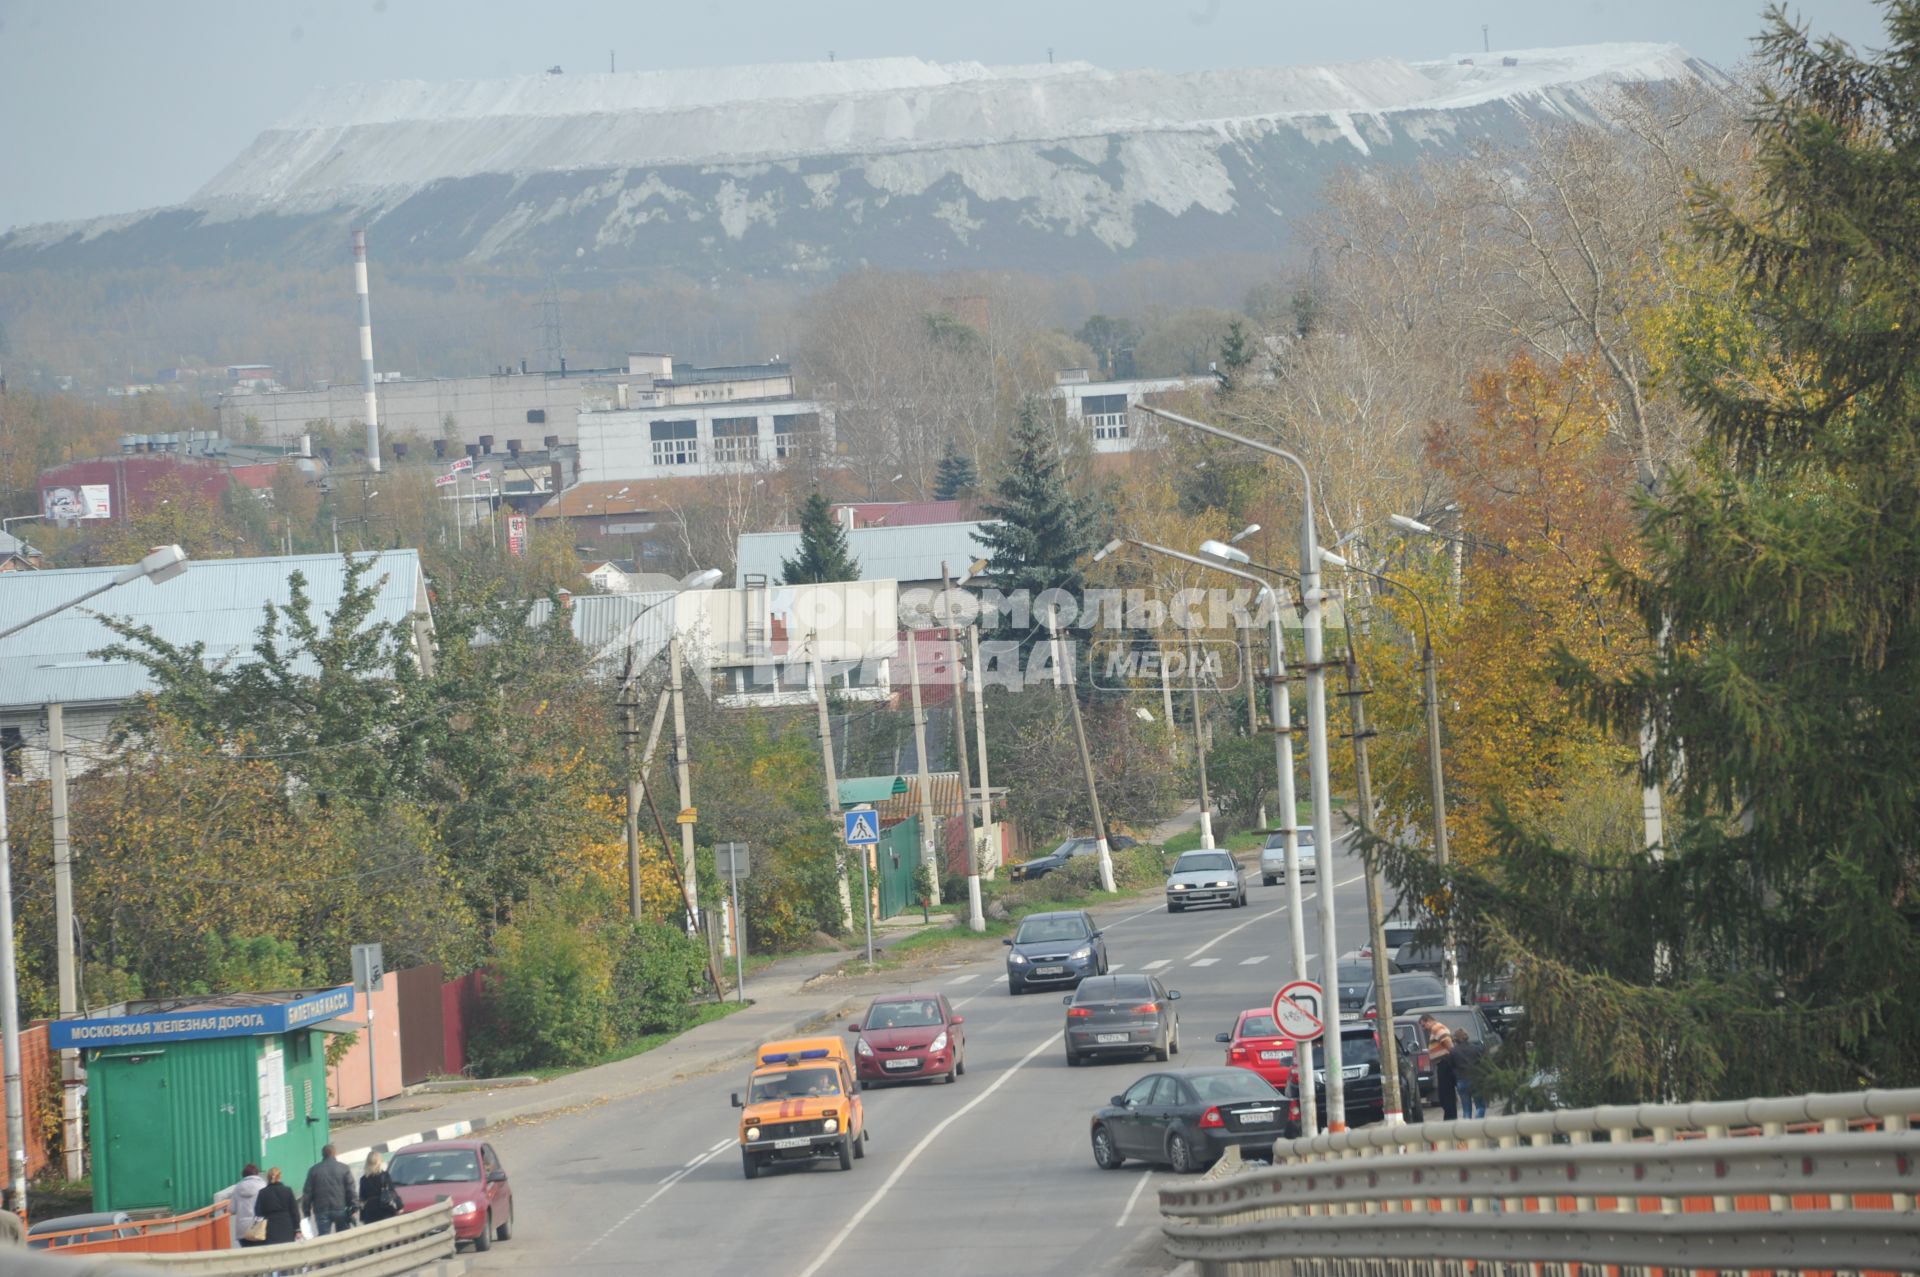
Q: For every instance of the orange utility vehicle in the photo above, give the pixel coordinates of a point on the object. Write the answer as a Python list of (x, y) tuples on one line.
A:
[(802, 1104)]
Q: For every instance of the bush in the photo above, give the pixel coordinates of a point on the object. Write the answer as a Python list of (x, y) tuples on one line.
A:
[(658, 972), (549, 993)]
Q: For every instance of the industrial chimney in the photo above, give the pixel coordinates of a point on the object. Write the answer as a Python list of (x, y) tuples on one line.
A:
[(366, 349)]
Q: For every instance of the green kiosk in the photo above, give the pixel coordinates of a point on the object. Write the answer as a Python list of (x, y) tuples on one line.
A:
[(182, 1093)]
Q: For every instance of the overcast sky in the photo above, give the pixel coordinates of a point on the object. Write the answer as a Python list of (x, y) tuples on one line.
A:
[(107, 106)]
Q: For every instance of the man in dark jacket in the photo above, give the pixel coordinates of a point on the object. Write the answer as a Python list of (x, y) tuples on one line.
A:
[(1466, 1065), (329, 1194)]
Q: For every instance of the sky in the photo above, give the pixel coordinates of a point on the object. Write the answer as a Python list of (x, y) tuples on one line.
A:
[(110, 106)]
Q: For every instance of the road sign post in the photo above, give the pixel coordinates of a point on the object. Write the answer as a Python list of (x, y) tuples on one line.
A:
[(730, 862), (1299, 1012), (863, 831), (370, 976)]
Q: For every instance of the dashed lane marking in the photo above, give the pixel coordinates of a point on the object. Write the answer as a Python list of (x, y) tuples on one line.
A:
[(913, 1155), (962, 979), (1255, 960), (1157, 963), (1206, 962)]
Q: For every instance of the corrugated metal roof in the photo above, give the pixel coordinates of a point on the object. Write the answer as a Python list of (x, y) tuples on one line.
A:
[(898, 554), (218, 603), (600, 619)]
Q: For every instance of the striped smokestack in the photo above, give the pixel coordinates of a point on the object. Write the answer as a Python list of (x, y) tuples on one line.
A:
[(366, 349)]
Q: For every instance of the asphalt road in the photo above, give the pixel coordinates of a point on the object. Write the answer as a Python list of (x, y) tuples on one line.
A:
[(990, 1174)]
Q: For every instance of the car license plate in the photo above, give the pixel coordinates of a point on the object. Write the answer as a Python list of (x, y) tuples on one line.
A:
[(791, 1143), (903, 1064), (1256, 1117), (1276, 1055), (1110, 1037), (1354, 1070), (1049, 970)]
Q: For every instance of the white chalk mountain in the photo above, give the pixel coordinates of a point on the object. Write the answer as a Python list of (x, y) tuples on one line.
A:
[(818, 166)]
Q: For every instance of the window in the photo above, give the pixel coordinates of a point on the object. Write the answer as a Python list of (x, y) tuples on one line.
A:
[(675, 443), (788, 432), (1169, 1091), (1138, 1093), (736, 439), (1107, 414), (441, 1166), (1051, 927), (12, 745)]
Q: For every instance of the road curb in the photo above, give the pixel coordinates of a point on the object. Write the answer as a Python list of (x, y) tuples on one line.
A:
[(692, 1066)]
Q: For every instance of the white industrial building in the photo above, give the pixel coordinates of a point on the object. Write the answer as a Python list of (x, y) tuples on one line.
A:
[(1105, 408), (658, 422)]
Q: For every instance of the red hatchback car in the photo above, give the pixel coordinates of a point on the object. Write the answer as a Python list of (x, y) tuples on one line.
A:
[(467, 1171), (1256, 1043), (909, 1036)]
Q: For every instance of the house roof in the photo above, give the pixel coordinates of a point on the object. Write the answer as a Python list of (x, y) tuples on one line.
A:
[(600, 619), (600, 497), (218, 602), (903, 514), (912, 553)]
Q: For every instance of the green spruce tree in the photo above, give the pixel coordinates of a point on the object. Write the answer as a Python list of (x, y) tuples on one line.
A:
[(955, 477), (823, 554), (1774, 947), (1236, 356), (1040, 536)]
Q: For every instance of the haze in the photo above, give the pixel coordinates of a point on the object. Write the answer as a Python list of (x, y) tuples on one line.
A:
[(123, 105)]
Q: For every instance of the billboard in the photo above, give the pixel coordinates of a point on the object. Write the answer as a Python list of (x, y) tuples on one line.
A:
[(65, 502), (516, 534)]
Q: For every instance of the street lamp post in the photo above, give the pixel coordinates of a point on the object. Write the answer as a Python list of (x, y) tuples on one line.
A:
[(1311, 601), (1282, 714), (162, 565)]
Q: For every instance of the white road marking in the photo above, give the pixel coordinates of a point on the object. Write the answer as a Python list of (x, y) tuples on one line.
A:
[(913, 1155), (1133, 1197), (1206, 962), (665, 1184), (1115, 966), (1271, 913), (1157, 963), (962, 979), (1255, 960)]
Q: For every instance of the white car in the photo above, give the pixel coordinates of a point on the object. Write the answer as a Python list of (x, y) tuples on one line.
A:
[(1205, 878), (1273, 858)]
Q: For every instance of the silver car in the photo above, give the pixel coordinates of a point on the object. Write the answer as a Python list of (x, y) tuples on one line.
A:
[(1205, 878), (1273, 858)]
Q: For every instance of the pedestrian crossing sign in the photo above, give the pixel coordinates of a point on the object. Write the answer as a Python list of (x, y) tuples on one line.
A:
[(863, 828)]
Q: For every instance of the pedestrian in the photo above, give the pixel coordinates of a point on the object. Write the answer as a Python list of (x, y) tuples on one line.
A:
[(1467, 1055), (276, 1205), (328, 1195), (378, 1200), (1440, 1051), (248, 1228)]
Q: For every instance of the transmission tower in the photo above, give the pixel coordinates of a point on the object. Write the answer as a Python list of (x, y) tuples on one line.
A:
[(550, 329)]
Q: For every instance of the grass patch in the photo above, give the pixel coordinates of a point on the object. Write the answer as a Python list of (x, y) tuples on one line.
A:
[(703, 1013), (1189, 840)]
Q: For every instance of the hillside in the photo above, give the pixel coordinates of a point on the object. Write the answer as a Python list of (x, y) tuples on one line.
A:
[(891, 162)]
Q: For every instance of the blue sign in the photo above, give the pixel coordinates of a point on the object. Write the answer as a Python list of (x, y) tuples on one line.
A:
[(863, 828), (193, 1023)]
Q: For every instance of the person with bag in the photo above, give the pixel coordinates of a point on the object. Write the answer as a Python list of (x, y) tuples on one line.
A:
[(248, 1228), (379, 1199), (1466, 1064), (329, 1195), (279, 1209)]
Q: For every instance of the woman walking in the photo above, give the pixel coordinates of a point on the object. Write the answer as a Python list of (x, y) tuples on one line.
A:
[(246, 1216), (277, 1205), (378, 1200)]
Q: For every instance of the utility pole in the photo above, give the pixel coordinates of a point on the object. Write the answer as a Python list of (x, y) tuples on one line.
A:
[(1086, 764), (1199, 744), (980, 735), (1376, 907), (683, 774), (1253, 702), (10, 1019), (1449, 958), (928, 856), (976, 920), (628, 691), (833, 778), (72, 1146)]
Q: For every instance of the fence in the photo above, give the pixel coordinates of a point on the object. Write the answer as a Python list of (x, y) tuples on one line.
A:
[(40, 1086), (210, 1228), (419, 1241), (1816, 1183)]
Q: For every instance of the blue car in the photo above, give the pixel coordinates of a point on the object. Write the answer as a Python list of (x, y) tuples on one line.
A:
[(1054, 950)]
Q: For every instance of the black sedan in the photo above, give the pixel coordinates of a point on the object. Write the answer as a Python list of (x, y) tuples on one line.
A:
[(1187, 1118), (1041, 866), (1122, 1015)]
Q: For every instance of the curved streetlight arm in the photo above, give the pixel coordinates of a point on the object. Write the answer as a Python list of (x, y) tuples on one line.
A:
[(1426, 621), (1307, 535)]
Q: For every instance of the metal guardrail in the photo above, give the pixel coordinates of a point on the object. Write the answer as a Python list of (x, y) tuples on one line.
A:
[(418, 1242), (1819, 1182)]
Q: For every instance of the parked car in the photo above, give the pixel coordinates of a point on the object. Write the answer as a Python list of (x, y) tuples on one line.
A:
[(469, 1172), (1494, 996), (1084, 845), (1421, 956), (909, 1037), (1363, 1083), (1364, 957), (1257, 1044), (1205, 878), (1354, 985), (1187, 1118), (1413, 1043), (1409, 989), (1456, 1018), (1054, 949), (100, 1226), (1273, 858), (1122, 1015)]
